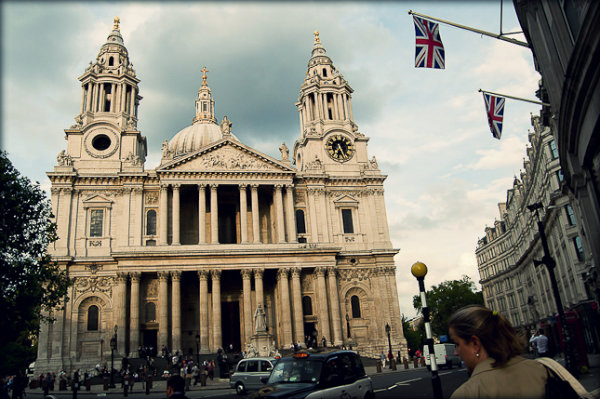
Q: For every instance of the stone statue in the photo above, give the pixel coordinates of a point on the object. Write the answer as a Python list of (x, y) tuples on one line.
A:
[(60, 158), (226, 126), (373, 163), (165, 149), (260, 324), (285, 152)]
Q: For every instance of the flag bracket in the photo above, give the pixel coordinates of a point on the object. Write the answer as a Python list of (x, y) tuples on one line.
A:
[(482, 32), (515, 98)]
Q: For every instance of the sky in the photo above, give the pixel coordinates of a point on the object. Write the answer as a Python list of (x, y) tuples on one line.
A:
[(427, 128)]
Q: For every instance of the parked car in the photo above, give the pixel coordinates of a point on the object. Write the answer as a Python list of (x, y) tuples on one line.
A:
[(445, 356), (338, 374), (248, 373)]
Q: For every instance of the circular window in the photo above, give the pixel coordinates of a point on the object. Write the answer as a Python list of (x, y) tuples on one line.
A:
[(101, 142)]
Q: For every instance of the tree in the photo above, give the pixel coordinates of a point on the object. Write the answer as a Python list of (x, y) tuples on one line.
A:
[(446, 298), (414, 338), (29, 281)]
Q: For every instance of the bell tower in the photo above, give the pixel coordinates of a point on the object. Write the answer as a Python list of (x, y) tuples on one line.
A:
[(329, 137), (104, 137)]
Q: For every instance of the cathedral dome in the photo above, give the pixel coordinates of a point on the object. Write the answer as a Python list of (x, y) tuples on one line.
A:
[(194, 137)]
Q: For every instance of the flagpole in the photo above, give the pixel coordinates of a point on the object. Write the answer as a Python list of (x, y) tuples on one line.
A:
[(515, 98), (482, 32)]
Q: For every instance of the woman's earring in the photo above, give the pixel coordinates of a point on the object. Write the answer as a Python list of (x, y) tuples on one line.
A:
[(477, 354)]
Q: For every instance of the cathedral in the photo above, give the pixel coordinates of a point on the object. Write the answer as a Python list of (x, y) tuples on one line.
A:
[(184, 256)]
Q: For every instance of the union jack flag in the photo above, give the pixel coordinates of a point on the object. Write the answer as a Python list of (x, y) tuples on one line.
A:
[(494, 108), (429, 51)]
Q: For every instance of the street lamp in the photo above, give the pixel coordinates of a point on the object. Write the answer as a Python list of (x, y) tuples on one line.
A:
[(113, 346), (197, 348), (348, 325), (419, 270), (570, 358), (390, 354)]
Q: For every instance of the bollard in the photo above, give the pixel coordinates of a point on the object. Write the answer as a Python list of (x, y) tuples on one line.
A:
[(405, 361), (416, 362), (125, 386), (379, 370), (105, 383), (393, 364)]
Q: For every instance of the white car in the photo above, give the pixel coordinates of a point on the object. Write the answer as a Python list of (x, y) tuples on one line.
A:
[(444, 356), (248, 373)]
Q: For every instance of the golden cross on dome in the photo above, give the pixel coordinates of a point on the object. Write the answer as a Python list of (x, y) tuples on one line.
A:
[(117, 20), (204, 70), (317, 40)]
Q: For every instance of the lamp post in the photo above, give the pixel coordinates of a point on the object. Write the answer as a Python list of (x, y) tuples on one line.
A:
[(348, 325), (390, 354), (198, 349), (113, 346), (570, 357), (419, 270)]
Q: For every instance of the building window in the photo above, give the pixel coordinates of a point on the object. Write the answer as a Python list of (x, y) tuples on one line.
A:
[(347, 221), (307, 306), (150, 312), (92, 319), (355, 302), (151, 223), (553, 149), (570, 215), (560, 175), (96, 222), (300, 225), (578, 248)]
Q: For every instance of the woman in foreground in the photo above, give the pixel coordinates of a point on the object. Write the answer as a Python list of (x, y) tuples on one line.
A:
[(490, 348)]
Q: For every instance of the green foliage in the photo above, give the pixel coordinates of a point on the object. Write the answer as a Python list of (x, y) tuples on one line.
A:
[(446, 298), (414, 339), (29, 281)]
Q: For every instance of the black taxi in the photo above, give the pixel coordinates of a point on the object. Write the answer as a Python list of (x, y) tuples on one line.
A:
[(338, 374)]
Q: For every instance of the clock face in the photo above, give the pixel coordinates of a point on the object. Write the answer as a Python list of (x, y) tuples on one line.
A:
[(340, 148)]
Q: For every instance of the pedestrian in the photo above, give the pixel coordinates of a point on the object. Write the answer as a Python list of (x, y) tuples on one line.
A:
[(211, 370), (540, 342), (490, 348), (324, 340), (382, 359), (175, 387)]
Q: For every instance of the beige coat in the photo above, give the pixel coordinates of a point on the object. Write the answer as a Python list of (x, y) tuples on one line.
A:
[(519, 378)]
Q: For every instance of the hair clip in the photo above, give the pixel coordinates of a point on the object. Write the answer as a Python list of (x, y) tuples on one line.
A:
[(495, 313)]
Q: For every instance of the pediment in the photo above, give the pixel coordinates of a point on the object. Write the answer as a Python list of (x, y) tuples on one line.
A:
[(346, 200), (97, 201), (226, 156)]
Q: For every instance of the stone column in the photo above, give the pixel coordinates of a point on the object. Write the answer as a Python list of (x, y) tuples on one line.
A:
[(134, 322), (164, 209), (201, 213), (57, 331), (323, 311), (286, 322), (255, 220), (345, 107), (163, 313), (122, 313), (243, 214), (214, 214), (297, 301), (176, 305), (279, 213), (258, 286), (42, 352), (350, 108), (247, 286), (101, 97), (216, 303), (203, 276), (314, 232), (113, 97), (334, 299), (396, 321), (88, 102), (176, 215), (380, 303), (289, 215), (132, 106)]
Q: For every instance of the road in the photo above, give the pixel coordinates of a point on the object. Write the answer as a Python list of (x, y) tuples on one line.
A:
[(416, 383)]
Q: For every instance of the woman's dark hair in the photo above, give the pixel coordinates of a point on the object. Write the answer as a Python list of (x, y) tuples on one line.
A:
[(496, 334)]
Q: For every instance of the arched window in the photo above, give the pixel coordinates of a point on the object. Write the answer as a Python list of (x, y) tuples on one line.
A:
[(300, 225), (92, 319), (355, 307), (111, 61), (151, 223), (150, 311), (307, 306)]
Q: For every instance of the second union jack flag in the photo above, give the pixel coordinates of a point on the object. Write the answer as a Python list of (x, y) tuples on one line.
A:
[(429, 52), (494, 108)]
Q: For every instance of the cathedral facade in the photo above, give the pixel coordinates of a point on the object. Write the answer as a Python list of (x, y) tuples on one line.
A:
[(183, 255)]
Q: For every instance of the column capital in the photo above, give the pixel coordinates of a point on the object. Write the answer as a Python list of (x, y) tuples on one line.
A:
[(176, 186), (278, 186), (243, 186), (135, 276), (176, 275), (332, 272), (246, 274), (213, 186), (258, 272), (282, 273), (203, 274), (163, 276), (254, 186), (289, 186), (121, 277), (201, 185), (320, 271), (164, 186), (296, 271), (215, 274)]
